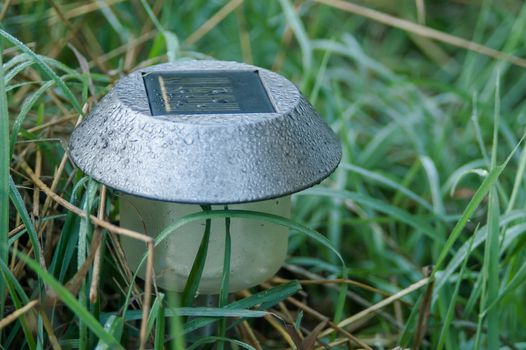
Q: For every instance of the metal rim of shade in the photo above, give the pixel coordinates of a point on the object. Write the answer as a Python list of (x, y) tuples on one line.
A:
[(201, 158)]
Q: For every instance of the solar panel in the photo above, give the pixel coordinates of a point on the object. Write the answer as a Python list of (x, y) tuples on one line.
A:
[(206, 92)]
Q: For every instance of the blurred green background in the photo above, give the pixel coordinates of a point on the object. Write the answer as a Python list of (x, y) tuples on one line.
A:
[(426, 118)]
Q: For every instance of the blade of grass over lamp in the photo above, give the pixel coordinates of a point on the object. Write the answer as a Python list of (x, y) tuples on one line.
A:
[(258, 249)]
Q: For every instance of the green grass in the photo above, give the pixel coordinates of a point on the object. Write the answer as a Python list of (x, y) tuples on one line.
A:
[(4, 175), (432, 173)]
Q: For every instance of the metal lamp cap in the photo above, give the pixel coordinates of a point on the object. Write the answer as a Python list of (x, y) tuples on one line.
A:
[(205, 132)]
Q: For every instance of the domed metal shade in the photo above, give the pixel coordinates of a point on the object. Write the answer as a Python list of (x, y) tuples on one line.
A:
[(205, 132)]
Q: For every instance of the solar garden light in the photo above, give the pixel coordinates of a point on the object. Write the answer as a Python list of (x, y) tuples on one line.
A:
[(175, 136)]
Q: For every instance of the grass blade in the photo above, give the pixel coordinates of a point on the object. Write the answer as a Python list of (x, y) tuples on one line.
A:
[(269, 298), (208, 340), (479, 238), (71, 302), (434, 184), (219, 312), (114, 326), (490, 288), (247, 214), (453, 299), (19, 298), (370, 175), (154, 310), (473, 204), (4, 177), (297, 26), (19, 205), (45, 68), (9, 75), (26, 107), (223, 293), (192, 312), (379, 205), (171, 40), (490, 268), (192, 284), (176, 325), (85, 231), (159, 325), (519, 178)]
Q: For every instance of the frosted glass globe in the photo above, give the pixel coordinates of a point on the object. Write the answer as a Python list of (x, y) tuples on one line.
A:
[(258, 248)]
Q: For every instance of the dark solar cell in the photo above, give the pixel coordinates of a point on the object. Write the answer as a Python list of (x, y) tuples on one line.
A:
[(209, 92)]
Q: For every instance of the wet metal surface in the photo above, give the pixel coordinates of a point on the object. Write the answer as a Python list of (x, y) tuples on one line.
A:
[(205, 158)]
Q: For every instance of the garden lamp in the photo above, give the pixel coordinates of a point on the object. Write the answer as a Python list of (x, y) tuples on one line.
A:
[(175, 136)]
